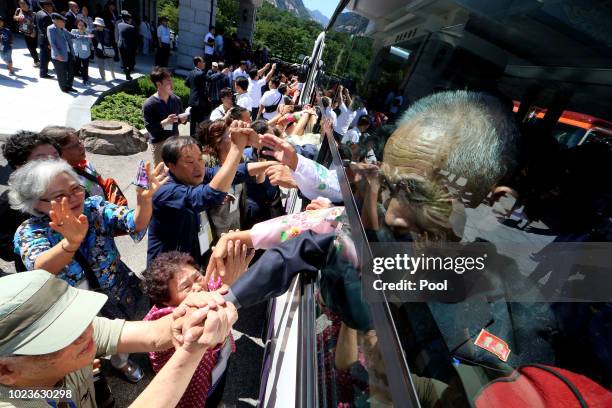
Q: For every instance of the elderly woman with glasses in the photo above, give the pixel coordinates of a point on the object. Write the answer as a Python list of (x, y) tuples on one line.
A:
[(72, 236)]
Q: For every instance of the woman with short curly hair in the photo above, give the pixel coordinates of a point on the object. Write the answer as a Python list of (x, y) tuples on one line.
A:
[(168, 280)]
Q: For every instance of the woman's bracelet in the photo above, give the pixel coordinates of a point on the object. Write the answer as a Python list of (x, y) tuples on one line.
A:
[(65, 250)]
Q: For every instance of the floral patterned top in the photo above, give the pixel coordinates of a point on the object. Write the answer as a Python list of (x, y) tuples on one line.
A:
[(34, 237), (270, 233)]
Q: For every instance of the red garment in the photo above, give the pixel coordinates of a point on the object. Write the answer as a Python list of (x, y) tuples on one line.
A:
[(197, 391), (541, 386)]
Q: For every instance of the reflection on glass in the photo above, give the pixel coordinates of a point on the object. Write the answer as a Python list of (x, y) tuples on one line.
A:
[(515, 160)]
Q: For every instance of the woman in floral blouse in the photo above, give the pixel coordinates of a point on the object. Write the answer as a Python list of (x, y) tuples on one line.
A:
[(72, 236)]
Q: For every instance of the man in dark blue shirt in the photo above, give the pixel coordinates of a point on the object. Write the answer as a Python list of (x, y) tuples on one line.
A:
[(161, 112), (179, 221)]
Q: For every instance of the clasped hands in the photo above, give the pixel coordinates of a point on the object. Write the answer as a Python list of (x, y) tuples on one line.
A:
[(204, 319)]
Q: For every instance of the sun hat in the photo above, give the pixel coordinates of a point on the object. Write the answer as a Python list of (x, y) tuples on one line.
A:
[(41, 314)]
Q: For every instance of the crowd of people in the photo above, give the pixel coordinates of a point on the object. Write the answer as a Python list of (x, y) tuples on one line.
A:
[(219, 238), (64, 217), (67, 35), (70, 37)]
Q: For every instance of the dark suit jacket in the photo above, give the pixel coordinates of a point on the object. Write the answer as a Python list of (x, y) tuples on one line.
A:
[(128, 36), (196, 82), (43, 20)]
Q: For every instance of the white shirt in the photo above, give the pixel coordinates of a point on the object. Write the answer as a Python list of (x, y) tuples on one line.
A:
[(254, 91), (330, 114), (344, 120), (239, 73), (358, 113), (163, 33), (218, 113), (272, 97), (314, 180), (208, 50), (244, 101), (352, 135)]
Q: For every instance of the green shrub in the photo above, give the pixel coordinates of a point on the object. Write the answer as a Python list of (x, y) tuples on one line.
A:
[(181, 90), (147, 88), (122, 107)]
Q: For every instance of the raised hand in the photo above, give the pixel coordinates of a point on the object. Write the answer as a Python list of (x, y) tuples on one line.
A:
[(280, 149), (73, 229), (237, 261), (242, 135), (156, 178), (280, 175)]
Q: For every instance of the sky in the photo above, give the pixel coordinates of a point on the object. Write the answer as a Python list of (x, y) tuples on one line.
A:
[(327, 7)]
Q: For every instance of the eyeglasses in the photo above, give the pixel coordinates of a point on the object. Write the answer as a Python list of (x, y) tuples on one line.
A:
[(74, 191), (402, 187)]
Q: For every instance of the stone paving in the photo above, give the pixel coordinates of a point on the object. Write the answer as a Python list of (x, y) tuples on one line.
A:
[(31, 103)]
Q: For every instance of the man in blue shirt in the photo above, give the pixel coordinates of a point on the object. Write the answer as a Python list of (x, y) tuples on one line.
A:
[(179, 220)]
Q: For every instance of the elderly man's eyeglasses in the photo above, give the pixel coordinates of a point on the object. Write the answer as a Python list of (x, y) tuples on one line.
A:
[(74, 191)]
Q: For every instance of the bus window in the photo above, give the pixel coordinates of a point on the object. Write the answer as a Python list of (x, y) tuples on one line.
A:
[(439, 159)]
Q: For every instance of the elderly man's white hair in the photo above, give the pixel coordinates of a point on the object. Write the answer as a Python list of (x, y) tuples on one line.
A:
[(29, 182), (479, 127)]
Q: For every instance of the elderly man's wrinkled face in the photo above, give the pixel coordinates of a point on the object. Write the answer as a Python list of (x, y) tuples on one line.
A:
[(413, 194), (34, 369)]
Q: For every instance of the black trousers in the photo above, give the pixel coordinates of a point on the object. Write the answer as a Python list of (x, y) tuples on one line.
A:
[(208, 58), (45, 56), (128, 59), (162, 55), (198, 114), (65, 73), (81, 68), (31, 43)]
